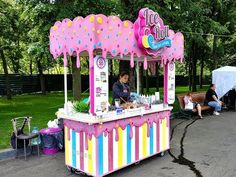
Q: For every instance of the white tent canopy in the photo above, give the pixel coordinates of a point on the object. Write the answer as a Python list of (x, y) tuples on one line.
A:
[(225, 79)]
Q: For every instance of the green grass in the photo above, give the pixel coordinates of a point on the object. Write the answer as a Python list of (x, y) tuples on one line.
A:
[(41, 107)]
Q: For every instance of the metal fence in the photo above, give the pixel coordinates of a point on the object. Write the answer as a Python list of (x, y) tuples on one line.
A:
[(31, 83)]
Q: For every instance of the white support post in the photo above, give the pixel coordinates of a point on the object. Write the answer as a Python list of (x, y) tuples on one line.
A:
[(65, 88), (137, 71)]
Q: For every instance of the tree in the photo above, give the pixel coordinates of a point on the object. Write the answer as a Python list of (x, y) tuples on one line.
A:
[(4, 63), (39, 17), (76, 80), (5, 40), (28, 22)]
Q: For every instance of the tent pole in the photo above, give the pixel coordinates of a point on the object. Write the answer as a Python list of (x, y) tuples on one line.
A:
[(65, 88), (137, 73)]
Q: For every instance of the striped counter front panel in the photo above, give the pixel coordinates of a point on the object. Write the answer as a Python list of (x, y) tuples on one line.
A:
[(105, 155)]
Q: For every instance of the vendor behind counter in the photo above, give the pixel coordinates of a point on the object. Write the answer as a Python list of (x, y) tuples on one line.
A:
[(120, 89)]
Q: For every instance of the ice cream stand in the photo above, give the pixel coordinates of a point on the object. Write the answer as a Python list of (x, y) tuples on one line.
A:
[(103, 141)]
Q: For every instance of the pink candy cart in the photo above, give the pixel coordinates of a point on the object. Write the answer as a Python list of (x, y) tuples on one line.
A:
[(101, 143)]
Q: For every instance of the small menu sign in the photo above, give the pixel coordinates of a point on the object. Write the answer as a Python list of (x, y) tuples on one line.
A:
[(101, 90)]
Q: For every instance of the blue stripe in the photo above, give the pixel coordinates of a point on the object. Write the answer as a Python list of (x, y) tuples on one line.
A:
[(73, 149), (151, 140), (128, 145), (100, 154)]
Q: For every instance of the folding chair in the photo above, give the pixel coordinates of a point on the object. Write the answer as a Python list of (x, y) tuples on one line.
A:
[(18, 126)]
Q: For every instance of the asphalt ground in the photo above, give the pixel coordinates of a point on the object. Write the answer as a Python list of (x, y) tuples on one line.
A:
[(199, 148)]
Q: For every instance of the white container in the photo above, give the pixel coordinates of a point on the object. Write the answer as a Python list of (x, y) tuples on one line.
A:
[(157, 96)]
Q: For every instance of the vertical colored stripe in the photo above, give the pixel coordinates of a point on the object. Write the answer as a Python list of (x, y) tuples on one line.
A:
[(124, 146), (136, 143), (73, 139), (85, 152), (105, 154), (140, 143), (100, 154), (133, 145), (164, 138), (81, 151), (77, 151), (66, 146), (128, 145), (144, 144), (110, 151), (94, 155), (151, 140), (115, 150), (120, 147), (90, 153), (97, 157), (154, 137), (158, 136)]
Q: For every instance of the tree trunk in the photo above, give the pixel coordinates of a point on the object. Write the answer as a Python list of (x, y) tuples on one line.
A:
[(111, 67), (190, 74), (31, 67), (132, 80), (215, 58), (147, 83), (194, 68), (194, 78), (201, 74), (41, 76), (76, 80), (15, 64), (4, 64), (158, 77), (69, 65)]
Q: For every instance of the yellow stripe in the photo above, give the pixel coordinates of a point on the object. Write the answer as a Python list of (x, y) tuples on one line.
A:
[(67, 151), (120, 144), (164, 138), (90, 153), (144, 139)]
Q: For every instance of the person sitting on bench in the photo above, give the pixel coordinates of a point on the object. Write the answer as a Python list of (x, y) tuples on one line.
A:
[(189, 104), (212, 100)]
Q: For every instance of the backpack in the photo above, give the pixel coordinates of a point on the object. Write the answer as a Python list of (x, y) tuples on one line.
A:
[(20, 143)]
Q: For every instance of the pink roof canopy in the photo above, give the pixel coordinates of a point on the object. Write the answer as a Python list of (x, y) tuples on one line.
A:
[(112, 35)]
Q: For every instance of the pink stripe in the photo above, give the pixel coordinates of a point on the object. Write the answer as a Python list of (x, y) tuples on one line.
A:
[(91, 83), (136, 143), (110, 151), (166, 83), (81, 151), (158, 136), (68, 134)]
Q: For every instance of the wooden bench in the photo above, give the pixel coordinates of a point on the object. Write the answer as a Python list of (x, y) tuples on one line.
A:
[(197, 97)]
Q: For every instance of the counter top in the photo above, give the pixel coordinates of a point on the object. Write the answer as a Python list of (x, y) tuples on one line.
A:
[(110, 116)]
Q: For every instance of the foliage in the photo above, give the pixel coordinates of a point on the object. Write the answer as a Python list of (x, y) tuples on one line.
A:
[(25, 24), (81, 106)]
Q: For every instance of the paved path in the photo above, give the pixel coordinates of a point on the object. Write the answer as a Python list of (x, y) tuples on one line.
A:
[(199, 148)]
